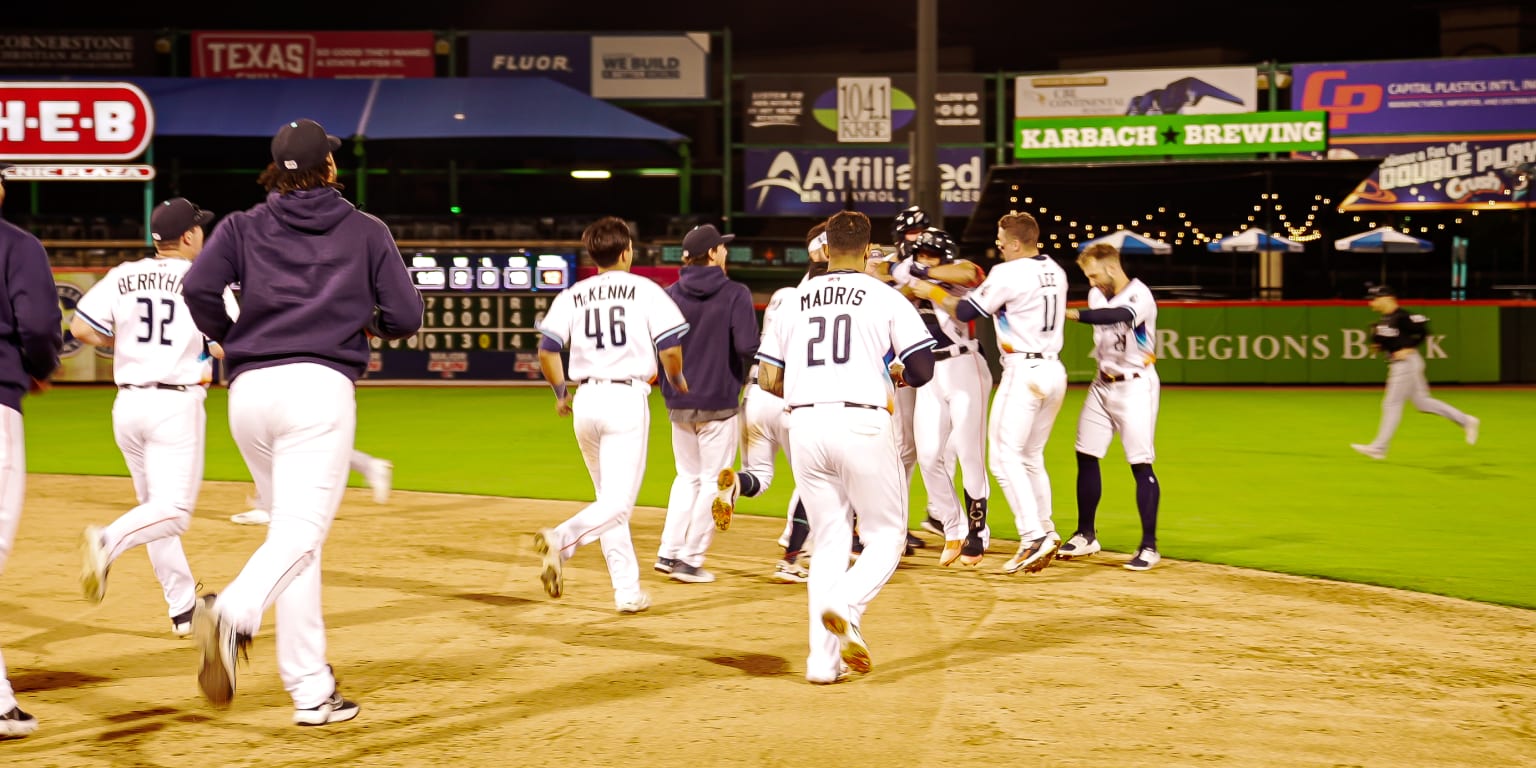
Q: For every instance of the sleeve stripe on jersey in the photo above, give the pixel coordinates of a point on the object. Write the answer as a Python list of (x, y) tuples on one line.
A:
[(101, 329), (552, 336), (679, 330), (971, 300), (924, 344), (770, 359)]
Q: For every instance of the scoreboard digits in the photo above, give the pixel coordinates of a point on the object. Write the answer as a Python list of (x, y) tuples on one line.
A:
[(484, 322)]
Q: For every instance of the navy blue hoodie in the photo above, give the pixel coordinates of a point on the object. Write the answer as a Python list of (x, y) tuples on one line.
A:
[(31, 325), (722, 339), (314, 272)]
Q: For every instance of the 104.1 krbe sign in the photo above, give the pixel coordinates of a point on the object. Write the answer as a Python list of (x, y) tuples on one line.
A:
[(74, 121)]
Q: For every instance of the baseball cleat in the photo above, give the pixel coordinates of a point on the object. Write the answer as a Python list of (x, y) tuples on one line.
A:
[(843, 675), (380, 476), (724, 505), (181, 623), (854, 652), (1368, 450), (219, 644), (972, 551), (93, 565), (951, 553), (690, 574), (636, 605), (1472, 425), (15, 724), (1033, 556), (664, 565), (1080, 545), (785, 572), (1145, 558), (333, 710), (932, 525), (253, 517), (544, 544), (914, 542)]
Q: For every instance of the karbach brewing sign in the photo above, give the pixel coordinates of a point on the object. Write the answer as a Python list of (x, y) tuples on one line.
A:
[(74, 121)]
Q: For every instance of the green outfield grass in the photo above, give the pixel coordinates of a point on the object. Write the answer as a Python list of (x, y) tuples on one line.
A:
[(1261, 478)]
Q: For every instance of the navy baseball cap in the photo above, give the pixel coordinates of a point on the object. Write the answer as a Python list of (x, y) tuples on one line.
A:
[(302, 145), (174, 217), (1378, 291), (703, 239)]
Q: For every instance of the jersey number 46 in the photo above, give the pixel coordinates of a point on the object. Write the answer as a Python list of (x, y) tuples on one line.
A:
[(616, 334)]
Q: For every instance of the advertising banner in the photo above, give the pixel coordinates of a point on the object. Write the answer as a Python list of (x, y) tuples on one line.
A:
[(79, 361), (320, 54), (876, 181), (68, 53), (651, 66), (1420, 96), (74, 121), (565, 58), (1059, 137), (828, 109), (1204, 91), (1452, 173), (1297, 343)]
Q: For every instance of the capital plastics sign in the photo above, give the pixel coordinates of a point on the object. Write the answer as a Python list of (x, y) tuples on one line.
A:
[(1422, 96), (828, 109), (877, 181), (1054, 138), (1491, 172), (1205, 91)]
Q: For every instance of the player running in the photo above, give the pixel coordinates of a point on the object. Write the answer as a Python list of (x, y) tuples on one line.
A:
[(162, 365), (826, 358), (1025, 296), (1123, 398), (615, 326)]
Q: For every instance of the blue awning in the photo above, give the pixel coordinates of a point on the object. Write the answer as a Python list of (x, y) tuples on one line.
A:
[(532, 107)]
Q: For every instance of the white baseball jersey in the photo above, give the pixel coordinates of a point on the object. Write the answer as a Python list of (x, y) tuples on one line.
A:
[(832, 336), (1126, 348), (139, 304), (611, 323), (1027, 299), (944, 328)]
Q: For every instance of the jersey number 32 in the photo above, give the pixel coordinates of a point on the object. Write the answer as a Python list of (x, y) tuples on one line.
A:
[(147, 320)]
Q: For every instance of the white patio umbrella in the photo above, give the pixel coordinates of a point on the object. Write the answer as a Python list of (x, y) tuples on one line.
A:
[(1383, 240), (1268, 247), (1130, 243)]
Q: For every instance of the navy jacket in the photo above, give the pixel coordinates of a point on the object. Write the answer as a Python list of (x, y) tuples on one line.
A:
[(722, 339), (31, 325), (314, 273)]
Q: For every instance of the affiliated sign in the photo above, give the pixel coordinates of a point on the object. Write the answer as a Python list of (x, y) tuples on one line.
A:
[(38, 52), (828, 109), (74, 121), (1053, 138), (877, 181), (1204, 91), (1444, 174), (80, 173), (319, 54), (651, 66), (563, 57), (1424, 96)]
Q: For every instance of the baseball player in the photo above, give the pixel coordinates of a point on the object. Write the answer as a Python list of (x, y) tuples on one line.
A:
[(949, 417), (1025, 296), (317, 276), (161, 364), (1398, 335), (705, 427), (31, 336), (826, 358), (614, 325), (1123, 398), (378, 473), (908, 225)]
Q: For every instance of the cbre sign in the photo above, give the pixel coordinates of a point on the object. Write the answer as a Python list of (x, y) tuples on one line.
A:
[(74, 121)]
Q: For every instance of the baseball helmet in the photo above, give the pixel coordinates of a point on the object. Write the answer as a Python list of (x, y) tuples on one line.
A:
[(937, 242), (911, 218)]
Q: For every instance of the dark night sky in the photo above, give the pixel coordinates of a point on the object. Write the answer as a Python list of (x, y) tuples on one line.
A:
[(1011, 36)]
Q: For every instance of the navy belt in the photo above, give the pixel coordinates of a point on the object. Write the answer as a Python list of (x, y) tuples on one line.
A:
[(845, 404), (173, 387), (1111, 378), (945, 354), (625, 382)]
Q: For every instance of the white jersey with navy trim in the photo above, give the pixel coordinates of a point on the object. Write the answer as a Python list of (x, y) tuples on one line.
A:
[(944, 328), (611, 323), (139, 304), (831, 338), (1027, 299), (1126, 348)]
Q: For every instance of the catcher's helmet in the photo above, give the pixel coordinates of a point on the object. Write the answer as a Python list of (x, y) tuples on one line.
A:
[(937, 242), (909, 219)]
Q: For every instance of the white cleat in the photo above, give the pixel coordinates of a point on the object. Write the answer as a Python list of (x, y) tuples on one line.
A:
[(728, 489), (93, 565), (253, 517), (1080, 545), (1145, 558), (544, 544), (637, 605), (853, 650), (1366, 450), (1472, 425), (380, 476)]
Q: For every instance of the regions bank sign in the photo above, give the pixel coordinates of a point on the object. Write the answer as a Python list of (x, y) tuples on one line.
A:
[(878, 182), (73, 121)]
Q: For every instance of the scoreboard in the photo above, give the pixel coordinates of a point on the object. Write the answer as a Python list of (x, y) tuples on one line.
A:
[(482, 316)]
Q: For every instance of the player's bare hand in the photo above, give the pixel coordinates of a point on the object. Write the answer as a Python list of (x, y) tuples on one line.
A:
[(563, 406), (1073, 315)]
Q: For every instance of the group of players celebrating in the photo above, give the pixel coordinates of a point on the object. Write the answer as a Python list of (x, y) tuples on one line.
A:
[(864, 371)]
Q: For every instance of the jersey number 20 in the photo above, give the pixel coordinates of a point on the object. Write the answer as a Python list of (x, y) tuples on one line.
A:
[(616, 333), (147, 320), (842, 332)]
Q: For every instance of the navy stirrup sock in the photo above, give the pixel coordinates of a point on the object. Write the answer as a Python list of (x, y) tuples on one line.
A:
[(1089, 488)]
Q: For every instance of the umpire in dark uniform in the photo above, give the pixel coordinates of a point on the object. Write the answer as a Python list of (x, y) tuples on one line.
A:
[(1398, 335), (31, 335)]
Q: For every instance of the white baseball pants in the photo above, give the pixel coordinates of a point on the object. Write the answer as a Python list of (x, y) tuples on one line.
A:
[(1023, 413), (1405, 384), (294, 425), (613, 428), (161, 433), (841, 454), (1128, 407), (950, 422), (764, 434), (700, 449), (13, 488)]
